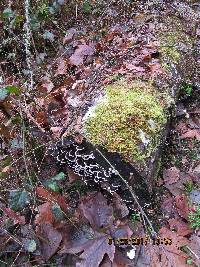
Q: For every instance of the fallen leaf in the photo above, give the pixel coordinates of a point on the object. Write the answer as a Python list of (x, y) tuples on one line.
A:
[(169, 208), (17, 219), (93, 251), (132, 67), (171, 175), (50, 240), (155, 68), (41, 118), (78, 56), (191, 134), (182, 206), (53, 197), (169, 255), (61, 67), (69, 35), (45, 214), (120, 260), (97, 211), (178, 187), (194, 123), (7, 169), (120, 207), (195, 244), (47, 84), (181, 228), (196, 171), (56, 131)]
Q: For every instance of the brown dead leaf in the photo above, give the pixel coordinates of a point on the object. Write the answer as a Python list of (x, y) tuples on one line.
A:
[(17, 219), (45, 214), (196, 172), (195, 244), (120, 207), (178, 187), (50, 240), (132, 67), (155, 68), (7, 169), (191, 134), (69, 35), (194, 123), (5, 132), (41, 118), (120, 260), (171, 175), (181, 228), (51, 196), (62, 67), (47, 84), (93, 251), (171, 254), (182, 206), (79, 54), (96, 211), (169, 208), (56, 131)]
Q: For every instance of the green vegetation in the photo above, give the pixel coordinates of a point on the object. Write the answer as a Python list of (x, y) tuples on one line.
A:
[(194, 218), (135, 217), (187, 89), (169, 48), (172, 40), (128, 120), (189, 186)]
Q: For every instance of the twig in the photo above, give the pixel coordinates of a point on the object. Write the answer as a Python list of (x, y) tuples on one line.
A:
[(27, 40), (11, 236)]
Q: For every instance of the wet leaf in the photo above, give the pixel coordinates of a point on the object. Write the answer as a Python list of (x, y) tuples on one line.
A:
[(52, 185), (45, 214), (3, 93), (79, 54), (171, 175), (49, 241), (13, 215), (53, 197), (182, 206), (47, 35), (18, 199), (97, 211), (93, 251), (60, 176), (30, 245)]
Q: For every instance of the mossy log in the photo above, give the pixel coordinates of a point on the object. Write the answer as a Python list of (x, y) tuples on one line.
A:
[(132, 119), (130, 122)]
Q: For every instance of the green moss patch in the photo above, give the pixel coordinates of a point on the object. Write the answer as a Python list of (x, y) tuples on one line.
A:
[(173, 39), (128, 121)]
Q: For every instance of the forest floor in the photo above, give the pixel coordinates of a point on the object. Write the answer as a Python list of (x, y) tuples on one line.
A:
[(47, 81)]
